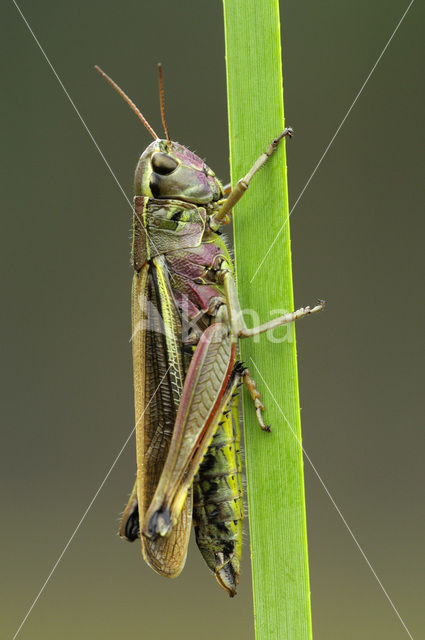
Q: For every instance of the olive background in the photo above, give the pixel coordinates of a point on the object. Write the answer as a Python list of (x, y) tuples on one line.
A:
[(357, 238)]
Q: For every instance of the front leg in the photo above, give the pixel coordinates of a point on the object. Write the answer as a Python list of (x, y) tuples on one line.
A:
[(243, 184)]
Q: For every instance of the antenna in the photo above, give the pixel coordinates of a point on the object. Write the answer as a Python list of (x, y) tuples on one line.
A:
[(161, 98), (130, 103)]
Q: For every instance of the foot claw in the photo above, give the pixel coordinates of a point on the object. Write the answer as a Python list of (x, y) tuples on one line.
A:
[(320, 305), (287, 132)]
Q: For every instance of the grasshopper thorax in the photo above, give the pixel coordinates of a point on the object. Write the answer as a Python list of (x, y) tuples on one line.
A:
[(167, 169)]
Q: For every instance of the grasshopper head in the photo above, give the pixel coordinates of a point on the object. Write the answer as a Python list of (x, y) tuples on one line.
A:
[(169, 170)]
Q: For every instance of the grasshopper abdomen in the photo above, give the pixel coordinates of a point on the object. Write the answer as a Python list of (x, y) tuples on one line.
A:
[(218, 504)]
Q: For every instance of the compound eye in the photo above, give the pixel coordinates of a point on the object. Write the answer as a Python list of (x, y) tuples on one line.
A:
[(163, 164)]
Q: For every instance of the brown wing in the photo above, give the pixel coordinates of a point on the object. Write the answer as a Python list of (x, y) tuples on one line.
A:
[(158, 381), (208, 387)]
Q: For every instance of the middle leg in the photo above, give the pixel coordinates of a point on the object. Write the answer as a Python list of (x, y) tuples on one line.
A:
[(237, 323)]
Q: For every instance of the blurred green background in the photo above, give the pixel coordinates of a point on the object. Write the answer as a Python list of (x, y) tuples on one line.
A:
[(67, 388)]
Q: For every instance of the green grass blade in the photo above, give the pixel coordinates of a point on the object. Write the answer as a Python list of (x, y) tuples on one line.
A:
[(274, 461)]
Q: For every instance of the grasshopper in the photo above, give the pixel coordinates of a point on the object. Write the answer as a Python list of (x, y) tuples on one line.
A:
[(186, 323)]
